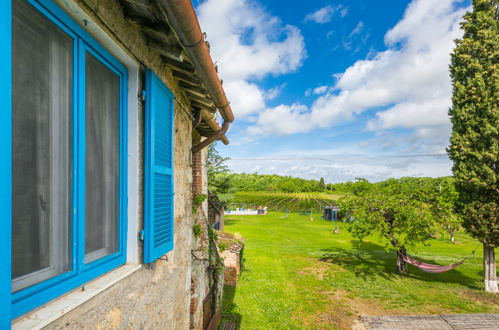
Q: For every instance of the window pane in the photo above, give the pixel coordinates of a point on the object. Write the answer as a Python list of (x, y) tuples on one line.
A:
[(41, 147), (102, 159)]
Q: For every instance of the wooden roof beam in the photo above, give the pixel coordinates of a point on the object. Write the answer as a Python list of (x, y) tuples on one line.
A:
[(203, 100), (165, 49), (179, 65), (196, 104), (194, 88), (186, 77)]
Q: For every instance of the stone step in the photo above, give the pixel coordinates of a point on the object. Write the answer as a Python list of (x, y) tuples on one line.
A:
[(228, 325)]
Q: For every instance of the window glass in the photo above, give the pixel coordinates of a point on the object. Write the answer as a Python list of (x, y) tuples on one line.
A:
[(42, 158), (101, 159)]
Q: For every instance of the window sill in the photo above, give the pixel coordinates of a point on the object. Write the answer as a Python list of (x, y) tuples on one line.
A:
[(63, 305)]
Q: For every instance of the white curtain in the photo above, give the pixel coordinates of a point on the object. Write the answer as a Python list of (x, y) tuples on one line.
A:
[(101, 159), (41, 147)]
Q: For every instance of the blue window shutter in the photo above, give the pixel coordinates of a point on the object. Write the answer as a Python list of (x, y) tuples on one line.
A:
[(158, 183), (5, 162)]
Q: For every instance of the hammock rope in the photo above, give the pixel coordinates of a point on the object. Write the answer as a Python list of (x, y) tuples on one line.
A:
[(435, 269)]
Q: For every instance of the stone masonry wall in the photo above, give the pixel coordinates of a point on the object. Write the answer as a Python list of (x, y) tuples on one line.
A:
[(200, 278), (158, 296)]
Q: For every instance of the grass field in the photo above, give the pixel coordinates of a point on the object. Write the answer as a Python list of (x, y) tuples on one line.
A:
[(299, 275)]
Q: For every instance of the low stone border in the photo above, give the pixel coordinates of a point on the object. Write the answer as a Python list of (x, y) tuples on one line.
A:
[(232, 264), (454, 321)]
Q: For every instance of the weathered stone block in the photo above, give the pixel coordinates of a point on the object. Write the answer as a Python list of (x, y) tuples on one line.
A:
[(232, 264)]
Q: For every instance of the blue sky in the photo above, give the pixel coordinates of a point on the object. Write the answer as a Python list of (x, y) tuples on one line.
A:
[(335, 89)]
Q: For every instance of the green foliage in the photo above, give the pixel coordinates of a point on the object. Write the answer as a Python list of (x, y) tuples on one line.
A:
[(359, 186), (225, 199), (353, 187), (222, 246), (445, 205), (322, 184), (235, 182), (216, 263), (216, 165), (196, 229), (474, 115), (393, 211), (197, 201), (404, 212)]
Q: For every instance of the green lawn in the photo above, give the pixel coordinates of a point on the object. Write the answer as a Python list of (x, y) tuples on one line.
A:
[(298, 274)]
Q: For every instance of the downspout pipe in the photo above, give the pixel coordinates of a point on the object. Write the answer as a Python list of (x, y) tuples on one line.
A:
[(183, 18), (212, 138), (209, 118)]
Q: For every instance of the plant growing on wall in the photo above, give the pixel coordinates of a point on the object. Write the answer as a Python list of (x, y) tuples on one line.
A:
[(474, 143), (196, 229), (197, 201)]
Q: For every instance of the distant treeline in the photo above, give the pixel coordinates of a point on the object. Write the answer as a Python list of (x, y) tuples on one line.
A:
[(234, 182)]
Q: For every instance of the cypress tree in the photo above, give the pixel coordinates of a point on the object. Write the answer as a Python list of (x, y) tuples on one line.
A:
[(322, 184), (474, 143)]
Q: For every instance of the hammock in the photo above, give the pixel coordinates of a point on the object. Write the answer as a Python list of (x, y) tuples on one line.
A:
[(429, 268)]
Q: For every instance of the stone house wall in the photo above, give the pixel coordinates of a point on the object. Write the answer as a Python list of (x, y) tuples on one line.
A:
[(158, 295)]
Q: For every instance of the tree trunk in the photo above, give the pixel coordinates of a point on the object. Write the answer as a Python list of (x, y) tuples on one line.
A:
[(489, 269), (401, 264), (452, 237)]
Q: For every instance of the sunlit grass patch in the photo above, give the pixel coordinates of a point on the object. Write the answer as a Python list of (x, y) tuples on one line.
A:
[(299, 274)]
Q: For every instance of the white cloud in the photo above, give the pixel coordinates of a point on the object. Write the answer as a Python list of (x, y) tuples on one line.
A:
[(317, 90), (249, 44), (342, 164), (430, 113), (344, 12), (325, 14), (246, 98), (320, 90), (321, 16), (357, 29), (284, 119), (410, 80), (275, 91)]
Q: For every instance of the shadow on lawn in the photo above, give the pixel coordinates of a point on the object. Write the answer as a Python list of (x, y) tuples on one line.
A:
[(229, 307), (368, 260), (230, 222)]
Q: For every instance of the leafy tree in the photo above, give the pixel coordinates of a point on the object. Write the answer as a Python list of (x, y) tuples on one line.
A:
[(474, 143), (215, 162), (288, 186), (260, 182), (359, 186), (397, 210), (218, 181), (444, 202)]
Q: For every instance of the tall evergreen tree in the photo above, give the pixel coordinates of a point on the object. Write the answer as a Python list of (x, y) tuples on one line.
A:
[(474, 143), (216, 164), (322, 184)]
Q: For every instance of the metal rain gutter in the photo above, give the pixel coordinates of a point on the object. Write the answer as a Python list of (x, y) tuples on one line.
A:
[(209, 118), (184, 20)]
